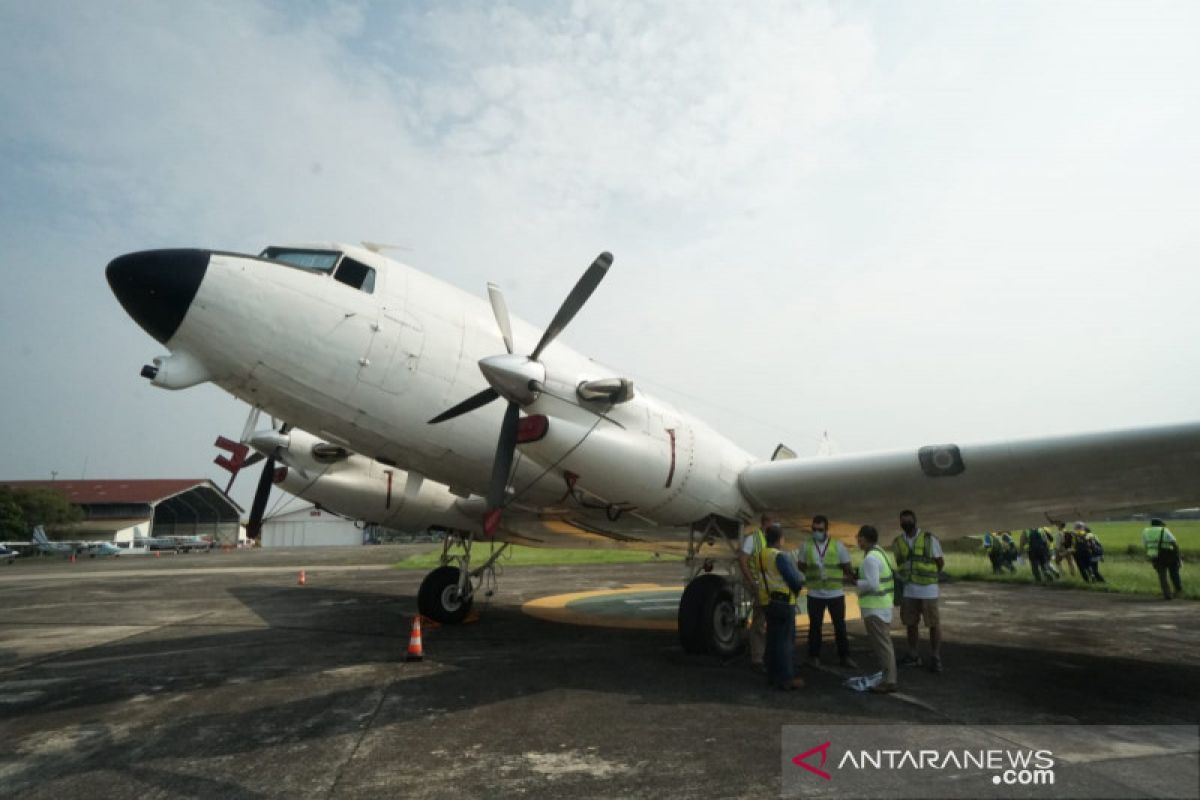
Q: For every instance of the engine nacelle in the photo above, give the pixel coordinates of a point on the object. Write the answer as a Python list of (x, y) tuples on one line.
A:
[(669, 467)]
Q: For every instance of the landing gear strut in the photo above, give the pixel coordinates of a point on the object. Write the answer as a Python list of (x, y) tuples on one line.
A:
[(448, 592), (715, 607)]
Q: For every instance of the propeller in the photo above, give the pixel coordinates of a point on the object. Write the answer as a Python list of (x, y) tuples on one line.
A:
[(240, 457), (519, 379), (261, 494)]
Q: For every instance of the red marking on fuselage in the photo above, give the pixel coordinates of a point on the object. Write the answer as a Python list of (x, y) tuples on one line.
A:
[(671, 472)]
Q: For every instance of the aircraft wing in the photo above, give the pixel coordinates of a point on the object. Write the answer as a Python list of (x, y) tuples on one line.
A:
[(961, 489)]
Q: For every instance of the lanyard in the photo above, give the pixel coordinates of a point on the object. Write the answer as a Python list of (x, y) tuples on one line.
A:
[(821, 550)]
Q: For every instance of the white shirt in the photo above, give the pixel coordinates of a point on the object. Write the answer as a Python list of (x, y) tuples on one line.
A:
[(918, 591), (843, 557), (748, 544), (870, 583)]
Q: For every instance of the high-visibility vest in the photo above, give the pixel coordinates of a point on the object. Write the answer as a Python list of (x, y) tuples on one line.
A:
[(833, 567), (916, 565), (760, 544), (882, 597), (1152, 537), (772, 577)]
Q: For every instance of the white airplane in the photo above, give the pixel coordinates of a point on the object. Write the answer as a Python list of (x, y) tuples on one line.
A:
[(43, 544), (375, 357)]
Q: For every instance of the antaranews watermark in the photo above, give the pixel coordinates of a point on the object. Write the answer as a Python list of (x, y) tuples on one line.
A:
[(987, 761)]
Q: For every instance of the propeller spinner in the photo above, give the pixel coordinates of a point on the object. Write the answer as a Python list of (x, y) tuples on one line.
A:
[(518, 379)]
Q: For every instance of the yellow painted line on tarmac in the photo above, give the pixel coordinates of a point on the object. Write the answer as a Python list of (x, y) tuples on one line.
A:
[(557, 608), (554, 609)]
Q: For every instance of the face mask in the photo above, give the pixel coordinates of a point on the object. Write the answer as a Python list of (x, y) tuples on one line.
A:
[(819, 535), (909, 527)]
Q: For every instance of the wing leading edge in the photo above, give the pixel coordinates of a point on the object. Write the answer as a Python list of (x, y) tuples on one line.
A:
[(958, 490)]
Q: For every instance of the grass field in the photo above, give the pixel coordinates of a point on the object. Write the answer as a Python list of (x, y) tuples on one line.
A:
[(521, 556)]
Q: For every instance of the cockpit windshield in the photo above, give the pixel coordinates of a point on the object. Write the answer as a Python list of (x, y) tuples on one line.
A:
[(320, 260), (354, 274)]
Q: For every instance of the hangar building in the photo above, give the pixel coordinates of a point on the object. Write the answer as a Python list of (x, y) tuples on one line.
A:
[(311, 527), (172, 507)]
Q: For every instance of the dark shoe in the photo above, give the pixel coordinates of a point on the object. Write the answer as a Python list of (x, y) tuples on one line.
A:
[(908, 661), (883, 688), (848, 662), (797, 683), (935, 664), (757, 667), (812, 661)]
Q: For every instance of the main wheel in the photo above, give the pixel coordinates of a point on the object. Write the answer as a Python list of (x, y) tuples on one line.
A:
[(438, 597), (708, 619)]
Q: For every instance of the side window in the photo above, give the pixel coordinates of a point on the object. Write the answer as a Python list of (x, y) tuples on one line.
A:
[(356, 275)]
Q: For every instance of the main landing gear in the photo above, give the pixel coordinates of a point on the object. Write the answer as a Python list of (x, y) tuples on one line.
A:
[(715, 606), (448, 592)]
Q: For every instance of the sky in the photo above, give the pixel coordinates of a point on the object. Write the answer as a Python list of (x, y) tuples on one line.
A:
[(901, 224)]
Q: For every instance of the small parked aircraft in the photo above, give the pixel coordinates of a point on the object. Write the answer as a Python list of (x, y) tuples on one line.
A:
[(375, 357), (91, 549)]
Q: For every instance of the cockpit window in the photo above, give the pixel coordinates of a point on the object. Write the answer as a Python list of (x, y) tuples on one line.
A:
[(356, 275), (350, 272), (320, 260)]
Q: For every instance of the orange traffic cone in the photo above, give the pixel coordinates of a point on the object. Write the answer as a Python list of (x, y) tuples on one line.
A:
[(158, 554), (72, 558), (303, 580), (415, 651)]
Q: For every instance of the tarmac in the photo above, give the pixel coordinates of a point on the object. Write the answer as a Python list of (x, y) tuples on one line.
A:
[(218, 676)]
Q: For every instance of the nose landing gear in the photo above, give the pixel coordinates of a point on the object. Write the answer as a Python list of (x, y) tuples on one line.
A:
[(448, 592)]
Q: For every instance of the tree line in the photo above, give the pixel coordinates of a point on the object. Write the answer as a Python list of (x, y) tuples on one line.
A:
[(23, 509)]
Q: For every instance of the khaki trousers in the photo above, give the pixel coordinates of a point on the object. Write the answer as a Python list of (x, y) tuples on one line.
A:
[(879, 633), (758, 634)]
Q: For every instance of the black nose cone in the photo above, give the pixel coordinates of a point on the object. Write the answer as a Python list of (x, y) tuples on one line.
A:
[(156, 287)]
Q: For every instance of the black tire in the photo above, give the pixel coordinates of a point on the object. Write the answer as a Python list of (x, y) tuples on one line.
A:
[(708, 618), (438, 597)]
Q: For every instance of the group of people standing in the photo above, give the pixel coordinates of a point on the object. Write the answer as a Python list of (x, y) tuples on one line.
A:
[(1051, 551), (824, 565)]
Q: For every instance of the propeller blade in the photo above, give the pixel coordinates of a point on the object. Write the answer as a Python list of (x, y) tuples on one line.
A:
[(506, 449), (500, 309), (259, 506), (575, 300), (470, 404)]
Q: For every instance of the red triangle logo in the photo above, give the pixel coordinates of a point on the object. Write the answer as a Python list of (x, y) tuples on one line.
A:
[(823, 749)]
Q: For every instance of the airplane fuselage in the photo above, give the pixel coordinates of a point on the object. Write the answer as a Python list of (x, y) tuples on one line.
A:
[(367, 366)]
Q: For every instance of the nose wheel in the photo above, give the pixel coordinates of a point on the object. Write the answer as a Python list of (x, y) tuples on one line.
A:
[(440, 597), (448, 592)]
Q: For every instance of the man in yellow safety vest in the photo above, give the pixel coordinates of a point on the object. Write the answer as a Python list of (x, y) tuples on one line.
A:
[(754, 543), (875, 591), (1163, 551), (783, 582), (919, 559), (825, 563)]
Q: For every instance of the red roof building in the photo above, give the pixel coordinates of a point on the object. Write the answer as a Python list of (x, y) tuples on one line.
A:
[(166, 507)]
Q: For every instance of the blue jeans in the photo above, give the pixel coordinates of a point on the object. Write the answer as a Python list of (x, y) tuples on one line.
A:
[(781, 641)]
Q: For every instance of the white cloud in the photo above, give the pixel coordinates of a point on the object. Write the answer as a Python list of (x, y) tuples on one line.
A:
[(810, 205)]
